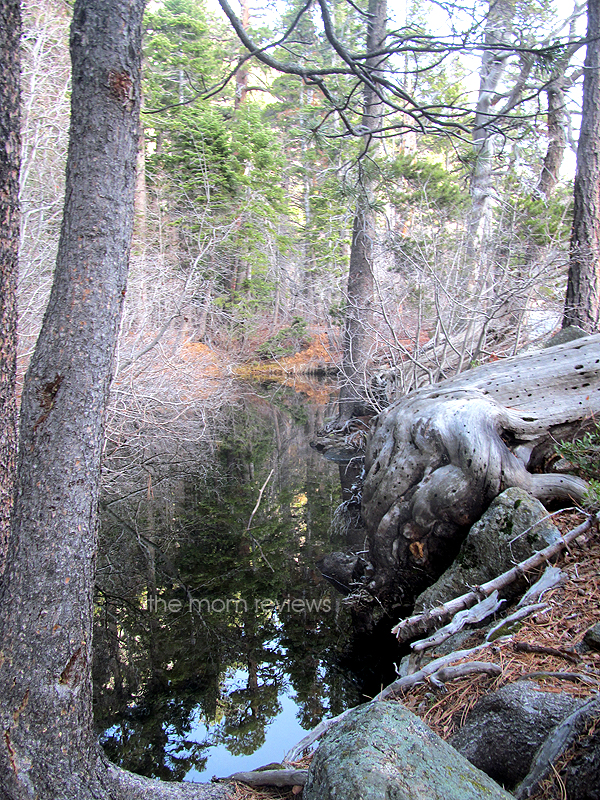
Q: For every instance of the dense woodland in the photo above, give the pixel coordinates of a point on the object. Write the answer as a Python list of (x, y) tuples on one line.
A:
[(411, 185), (248, 184)]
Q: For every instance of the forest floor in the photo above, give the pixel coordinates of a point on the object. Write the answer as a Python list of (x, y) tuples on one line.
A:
[(561, 666)]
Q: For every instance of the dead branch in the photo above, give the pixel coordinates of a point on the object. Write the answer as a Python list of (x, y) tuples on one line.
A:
[(552, 577), (422, 623), (270, 777), (296, 752), (447, 674), (507, 625), (429, 669), (573, 677), (525, 647), (469, 616)]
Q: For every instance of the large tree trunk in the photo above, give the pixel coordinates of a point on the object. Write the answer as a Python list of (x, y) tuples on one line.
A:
[(582, 303), (10, 146), (358, 322), (48, 748), (438, 457)]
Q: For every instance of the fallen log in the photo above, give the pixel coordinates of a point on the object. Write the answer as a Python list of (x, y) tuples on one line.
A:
[(508, 625), (438, 457), (469, 616)]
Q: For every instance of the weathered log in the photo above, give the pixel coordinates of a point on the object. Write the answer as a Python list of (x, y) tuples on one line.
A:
[(401, 684), (458, 671), (438, 457), (509, 624), (271, 777), (468, 616)]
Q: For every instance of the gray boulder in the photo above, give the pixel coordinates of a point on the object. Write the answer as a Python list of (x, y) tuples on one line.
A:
[(380, 751), (592, 637), (504, 730), (582, 774), (511, 530)]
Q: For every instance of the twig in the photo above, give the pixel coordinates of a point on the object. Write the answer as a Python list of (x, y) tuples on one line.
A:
[(525, 647), (254, 510)]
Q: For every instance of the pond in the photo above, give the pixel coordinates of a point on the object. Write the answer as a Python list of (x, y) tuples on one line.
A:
[(217, 642)]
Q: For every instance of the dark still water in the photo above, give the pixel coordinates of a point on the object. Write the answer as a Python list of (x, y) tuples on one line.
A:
[(218, 644)]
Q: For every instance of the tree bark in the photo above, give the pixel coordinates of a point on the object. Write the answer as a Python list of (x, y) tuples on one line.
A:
[(358, 322), (493, 65), (439, 456), (582, 302), (48, 747), (10, 146)]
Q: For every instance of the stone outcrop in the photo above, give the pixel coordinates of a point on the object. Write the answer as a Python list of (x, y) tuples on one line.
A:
[(512, 529), (380, 751), (505, 729)]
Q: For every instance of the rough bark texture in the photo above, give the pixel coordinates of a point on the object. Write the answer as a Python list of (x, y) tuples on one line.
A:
[(556, 133), (582, 304), (10, 145), (48, 749), (358, 323), (438, 457)]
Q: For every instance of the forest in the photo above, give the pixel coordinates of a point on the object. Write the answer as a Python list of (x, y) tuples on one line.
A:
[(324, 205)]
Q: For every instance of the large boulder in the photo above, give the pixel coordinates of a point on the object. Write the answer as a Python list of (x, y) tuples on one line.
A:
[(504, 729), (512, 529), (380, 751)]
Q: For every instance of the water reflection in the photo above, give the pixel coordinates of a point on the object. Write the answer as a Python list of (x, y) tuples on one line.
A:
[(215, 635)]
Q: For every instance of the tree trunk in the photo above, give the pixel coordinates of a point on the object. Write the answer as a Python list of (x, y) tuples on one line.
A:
[(358, 323), (10, 146), (582, 303), (493, 64), (241, 76), (557, 136), (439, 456), (48, 748)]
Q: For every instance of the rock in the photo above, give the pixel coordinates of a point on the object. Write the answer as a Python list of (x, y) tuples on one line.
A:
[(494, 545), (339, 569), (564, 335), (582, 774), (592, 637), (504, 730), (380, 751)]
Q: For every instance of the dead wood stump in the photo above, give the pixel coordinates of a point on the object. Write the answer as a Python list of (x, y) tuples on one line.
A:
[(438, 457)]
